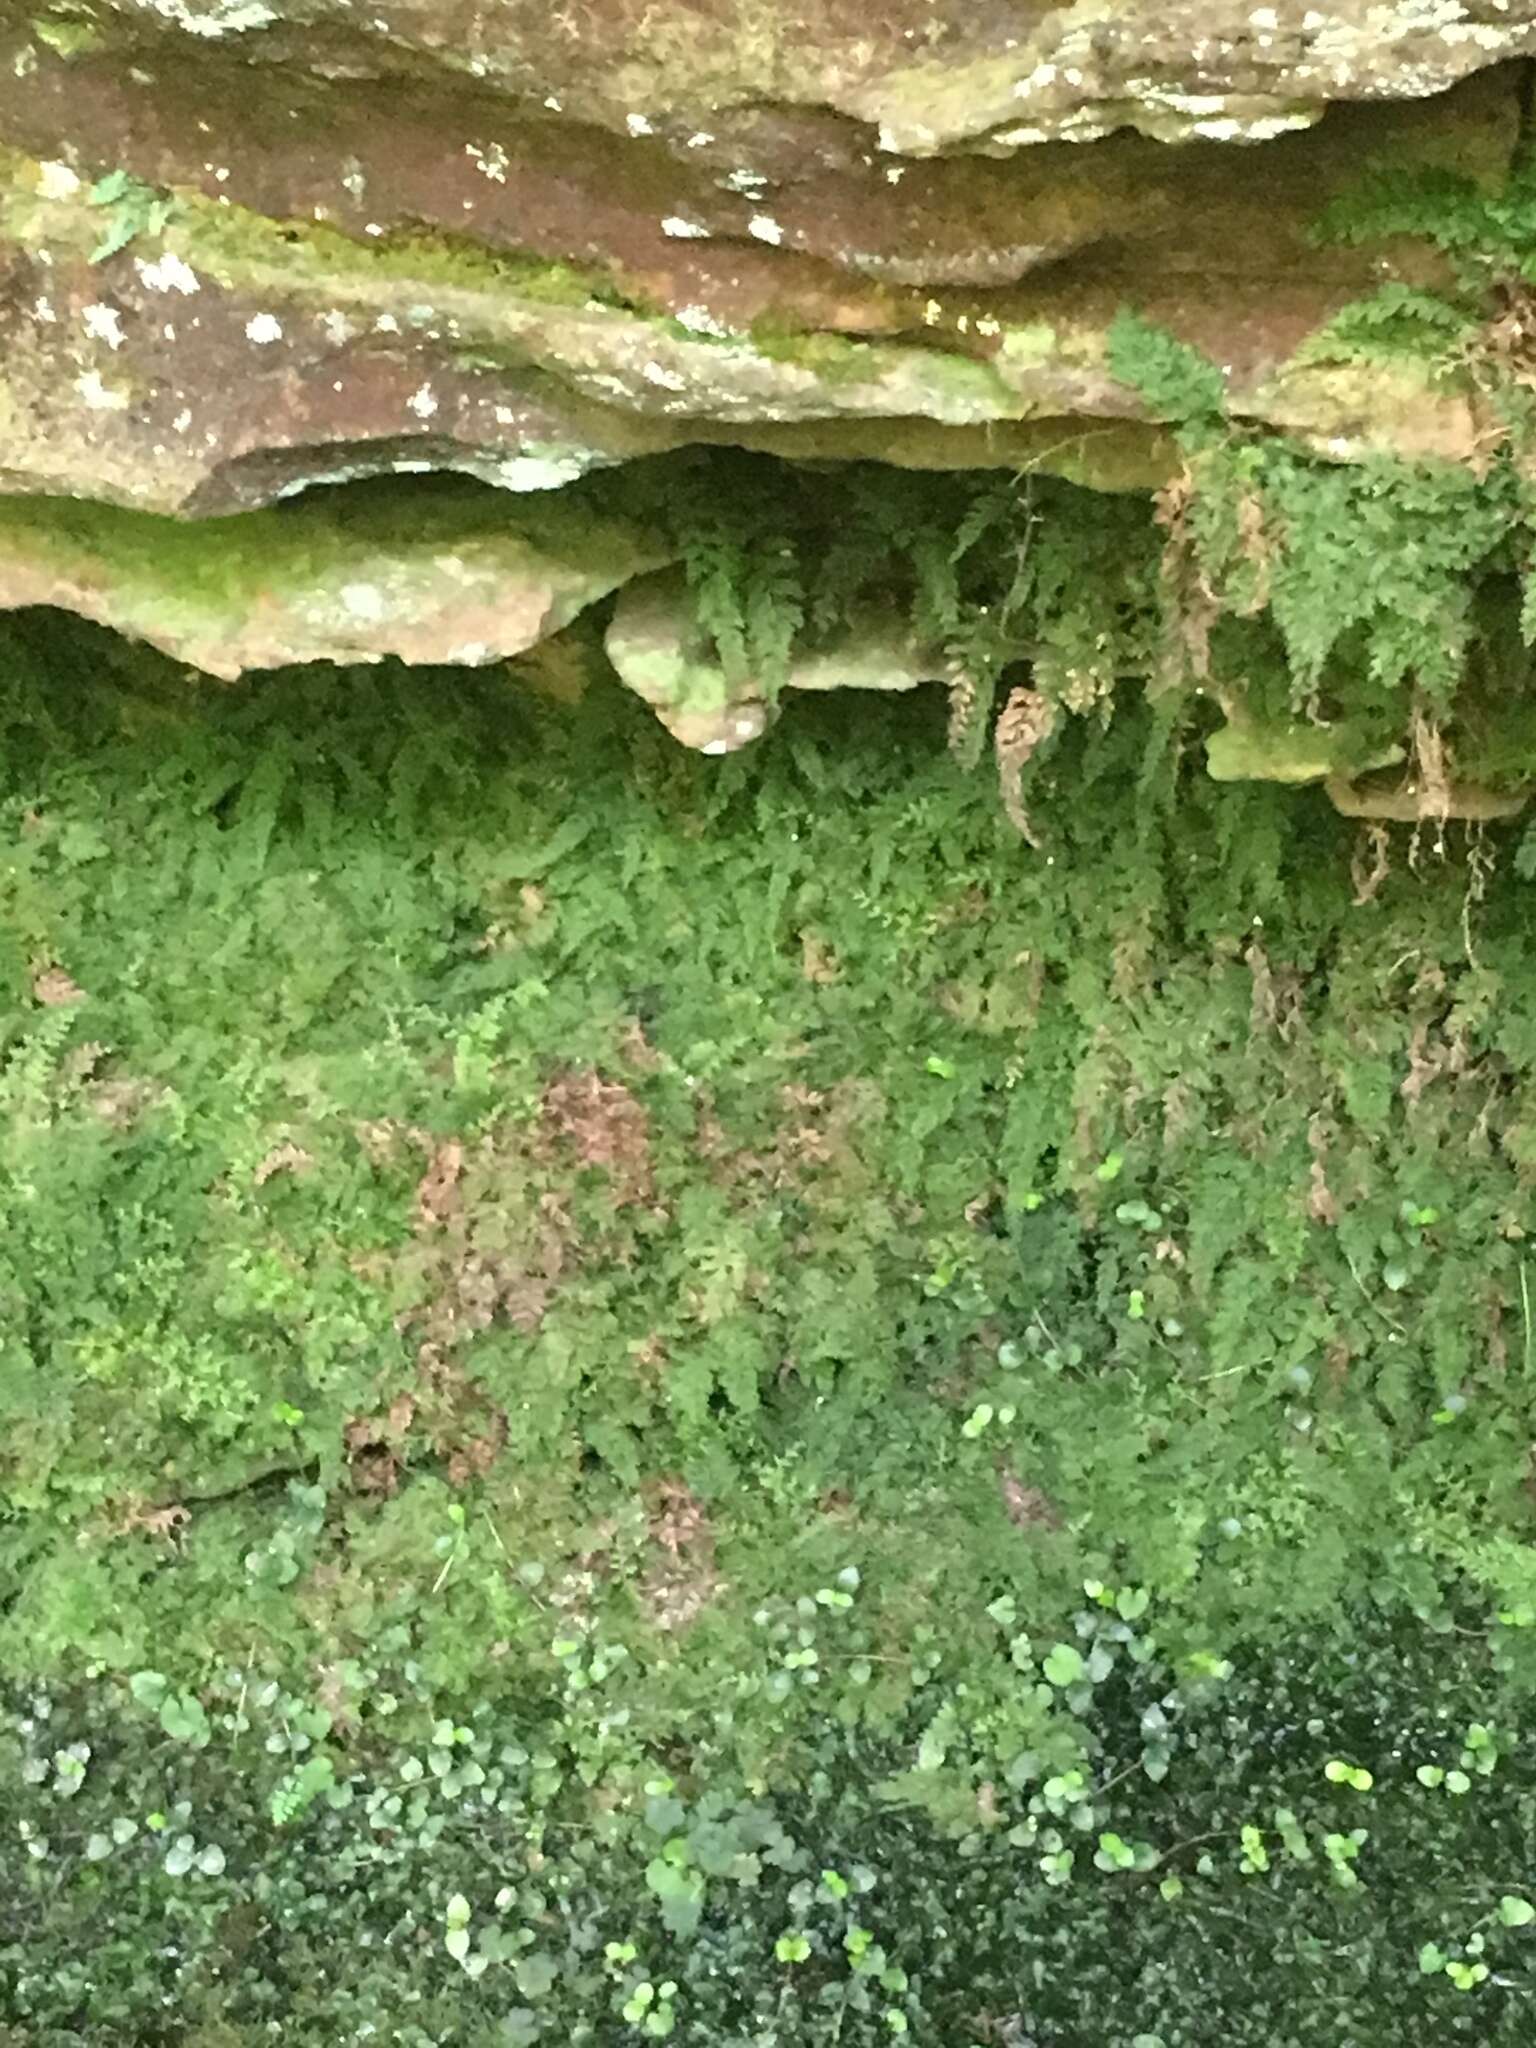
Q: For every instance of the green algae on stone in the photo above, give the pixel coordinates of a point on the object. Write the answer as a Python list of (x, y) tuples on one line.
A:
[(662, 652), (456, 573), (1297, 751)]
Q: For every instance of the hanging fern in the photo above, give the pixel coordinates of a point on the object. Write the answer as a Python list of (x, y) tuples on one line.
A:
[(773, 611), (716, 565)]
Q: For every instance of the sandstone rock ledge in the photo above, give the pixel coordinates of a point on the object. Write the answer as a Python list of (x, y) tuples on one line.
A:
[(250, 248)]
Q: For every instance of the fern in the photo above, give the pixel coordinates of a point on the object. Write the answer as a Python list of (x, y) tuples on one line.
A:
[(296, 1793), (773, 611), (969, 702), (1483, 232), (750, 598), (992, 511), (1025, 720), (936, 605), (1427, 533), (716, 566), (1399, 322), (132, 208), (1175, 382)]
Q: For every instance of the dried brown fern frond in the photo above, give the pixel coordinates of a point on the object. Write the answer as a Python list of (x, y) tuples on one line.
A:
[(1259, 547), (1190, 609), (1024, 721), (968, 701), (1371, 863), (1192, 604), (1429, 760)]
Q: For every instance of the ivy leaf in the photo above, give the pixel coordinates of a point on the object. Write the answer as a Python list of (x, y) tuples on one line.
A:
[(681, 1893), (1516, 1912), (1064, 1666), (664, 1815), (536, 1973), (183, 1719), (148, 1688)]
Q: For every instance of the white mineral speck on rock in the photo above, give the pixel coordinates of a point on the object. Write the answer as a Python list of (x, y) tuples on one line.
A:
[(363, 601), (98, 396), (491, 162), (682, 230), (766, 229), (56, 181), (534, 472), (104, 323), (699, 320), (167, 274), (263, 328), (423, 402)]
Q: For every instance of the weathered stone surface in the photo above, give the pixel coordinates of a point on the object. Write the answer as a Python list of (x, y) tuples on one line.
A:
[(1295, 752), (999, 73), (1411, 802), (660, 652), (1363, 778), (250, 246), (342, 576), (346, 275)]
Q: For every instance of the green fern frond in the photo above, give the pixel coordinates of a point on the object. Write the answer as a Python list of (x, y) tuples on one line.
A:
[(1175, 382), (773, 610), (717, 568)]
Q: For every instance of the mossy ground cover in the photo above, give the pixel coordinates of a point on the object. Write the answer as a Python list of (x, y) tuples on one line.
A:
[(588, 1337)]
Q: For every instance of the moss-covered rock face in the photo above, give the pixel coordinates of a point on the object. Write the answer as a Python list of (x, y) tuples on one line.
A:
[(455, 575), (840, 318)]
